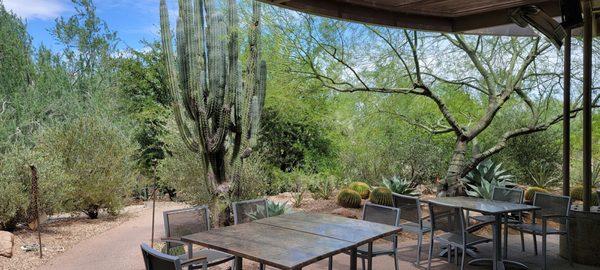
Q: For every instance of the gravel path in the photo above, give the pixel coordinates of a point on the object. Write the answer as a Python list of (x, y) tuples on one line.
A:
[(116, 248)]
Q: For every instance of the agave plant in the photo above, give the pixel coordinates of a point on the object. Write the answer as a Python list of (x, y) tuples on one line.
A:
[(273, 208), (490, 172), (485, 189), (399, 185)]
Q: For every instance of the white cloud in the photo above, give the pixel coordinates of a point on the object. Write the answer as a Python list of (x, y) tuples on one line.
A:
[(36, 9)]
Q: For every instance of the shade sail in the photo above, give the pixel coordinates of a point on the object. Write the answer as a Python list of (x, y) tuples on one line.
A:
[(459, 16)]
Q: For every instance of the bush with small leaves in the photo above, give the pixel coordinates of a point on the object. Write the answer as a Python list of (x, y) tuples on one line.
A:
[(530, 192), (382, 196), (349, 198), (361, 187)]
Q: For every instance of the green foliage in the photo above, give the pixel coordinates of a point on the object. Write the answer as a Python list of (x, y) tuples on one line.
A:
[(531, 191), (348, 198), (362, 188), (382, 196), (577, 194), (399, 185), (142, 82), (321, 186), (95, 159), (298, 198), (544, 175), (15, 50), (292, 142)]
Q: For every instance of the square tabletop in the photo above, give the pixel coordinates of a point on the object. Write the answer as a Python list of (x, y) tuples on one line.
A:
[(292, 241), (352, 230), (278, 247), (485, 206)]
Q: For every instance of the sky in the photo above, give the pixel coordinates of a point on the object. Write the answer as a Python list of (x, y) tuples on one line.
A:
[(133, 20)]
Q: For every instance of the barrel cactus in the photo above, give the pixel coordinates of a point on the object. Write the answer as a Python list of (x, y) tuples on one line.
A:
[(530, 192), (348, 198), (382, 196), (361, 187), (577, 194)]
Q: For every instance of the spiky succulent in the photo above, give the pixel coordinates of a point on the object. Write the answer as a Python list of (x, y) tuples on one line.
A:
[(273, 208), (382, 196), (348, 198), (362, 188), (399, 185)]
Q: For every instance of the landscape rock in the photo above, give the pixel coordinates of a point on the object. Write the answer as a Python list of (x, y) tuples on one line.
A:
[(345, 212), (7, 240)]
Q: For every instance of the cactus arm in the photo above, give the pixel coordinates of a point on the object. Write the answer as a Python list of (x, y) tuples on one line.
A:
[(172, 79)]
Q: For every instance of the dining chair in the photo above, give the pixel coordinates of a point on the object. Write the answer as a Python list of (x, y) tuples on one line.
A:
[(188, 221), (411, 218), (155, 260), (383, 215), (247, 211), (512, 195), (553, 207), (449, 222)]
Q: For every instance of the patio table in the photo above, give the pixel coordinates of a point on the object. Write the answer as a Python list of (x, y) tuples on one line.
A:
[(490, 207), (295, 240)]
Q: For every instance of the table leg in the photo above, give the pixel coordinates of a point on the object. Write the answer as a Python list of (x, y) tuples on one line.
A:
[(370, 256), (353, 259), (498, 265), (238, 263)]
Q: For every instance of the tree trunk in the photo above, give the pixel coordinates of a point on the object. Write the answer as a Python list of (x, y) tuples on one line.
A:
[(451, 186)]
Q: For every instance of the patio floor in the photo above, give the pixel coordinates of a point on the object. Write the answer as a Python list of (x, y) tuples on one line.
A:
[(408, 256)]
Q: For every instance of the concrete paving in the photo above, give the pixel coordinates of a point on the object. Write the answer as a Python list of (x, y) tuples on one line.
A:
[(119, 248)]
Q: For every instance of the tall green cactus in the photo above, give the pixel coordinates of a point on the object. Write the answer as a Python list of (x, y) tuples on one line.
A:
[(217, 109)]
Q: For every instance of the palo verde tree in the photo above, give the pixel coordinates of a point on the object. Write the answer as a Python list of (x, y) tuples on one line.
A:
[(495, 73), (217, 109)]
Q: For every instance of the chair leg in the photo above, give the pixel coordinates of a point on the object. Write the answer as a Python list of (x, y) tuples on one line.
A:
[(569, 249), (449, 248), (396, 260), (522, 241), (505, 255), (430, 252), (535, 245), (462, 261), (544, 265), (261, 266), (330, 267), (419, 243), (364, 267)]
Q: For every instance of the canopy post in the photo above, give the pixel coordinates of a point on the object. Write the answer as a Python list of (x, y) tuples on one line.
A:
[(587, 104), (566, 158)]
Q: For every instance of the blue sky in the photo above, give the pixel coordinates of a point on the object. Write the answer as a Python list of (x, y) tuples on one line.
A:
[(133, 20)]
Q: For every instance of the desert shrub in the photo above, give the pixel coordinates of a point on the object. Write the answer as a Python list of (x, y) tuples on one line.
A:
[(15, 183), (577, 194), (321, 186), (94, 158), (348, 198), (361, 187), (531, 191)]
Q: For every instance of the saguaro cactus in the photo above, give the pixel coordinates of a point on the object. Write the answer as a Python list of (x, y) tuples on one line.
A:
[(217, 108)]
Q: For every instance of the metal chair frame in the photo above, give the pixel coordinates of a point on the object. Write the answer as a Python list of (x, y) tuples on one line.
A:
[(543, 232), (236, 218), (421, 228), (177, 263), (463, 245), (172, 241)]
